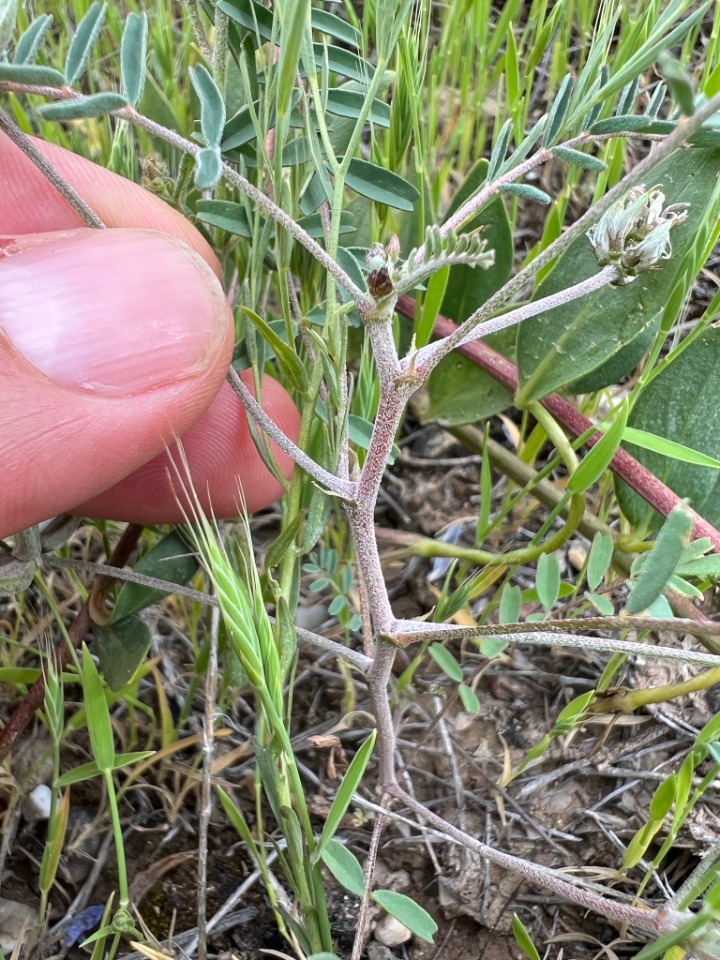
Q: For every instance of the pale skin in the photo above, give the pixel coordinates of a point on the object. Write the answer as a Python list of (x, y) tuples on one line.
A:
[(112, 344)]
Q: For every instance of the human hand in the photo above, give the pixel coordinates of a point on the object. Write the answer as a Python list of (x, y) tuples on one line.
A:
[(112, 344)]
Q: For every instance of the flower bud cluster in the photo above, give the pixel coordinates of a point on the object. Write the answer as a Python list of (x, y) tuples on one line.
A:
[(634, 234)]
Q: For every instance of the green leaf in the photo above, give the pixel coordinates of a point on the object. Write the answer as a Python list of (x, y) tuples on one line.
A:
[(680, 405), (226, 215), (599, 559), (446, 661), (288, 359), (344, 62), (350, 103), (31, 74), (28, 46), (96, 105), (360, 433), (557, 347), (524, 939), (8, 20), (97, 714), (212, 105), (121, 648), (660, 563), (381, 185), (409, 913), (663, 798), (171, 560), (346, 790), (344, 866), (510, 600), (127, 759), (577, 158), (527, 192), (133, 52), (558, 111), (491, 646), (620, 364), (294, 20), (334, 26), (570, 715), (82, 43), (85, 771), (499, 149), (548, 580), (208, 168), (469, 699), (669, 448), (632, 124), (678, 81), (596, 461)]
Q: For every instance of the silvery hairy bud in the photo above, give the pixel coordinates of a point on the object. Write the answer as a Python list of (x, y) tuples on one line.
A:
[(634, 234)]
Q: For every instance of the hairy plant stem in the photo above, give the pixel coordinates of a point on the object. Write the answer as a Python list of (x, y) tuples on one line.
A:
[(650, 921), (68, 193)]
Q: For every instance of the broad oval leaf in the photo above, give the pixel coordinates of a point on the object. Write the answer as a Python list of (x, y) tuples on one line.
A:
[(212, 105), (28, 46), (381, 185), (659, 565), (208, 168), (548, 580), (561, 345), (133, 51), (171, 560), (446, 661), (226, 215), (344, 866), (96, 105), (680, 404), (121, 648), (82, 43), (350, 103), (411, 914), (599, 558)]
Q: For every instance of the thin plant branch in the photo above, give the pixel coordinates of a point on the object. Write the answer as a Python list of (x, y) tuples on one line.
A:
[(67, 192), (418, 631), (341, 488)]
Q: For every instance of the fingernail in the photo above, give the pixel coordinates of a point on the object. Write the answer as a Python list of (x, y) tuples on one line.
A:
[(114, 312)]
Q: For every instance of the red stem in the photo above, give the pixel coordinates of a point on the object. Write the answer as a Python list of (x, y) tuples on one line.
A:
[(504, 371)]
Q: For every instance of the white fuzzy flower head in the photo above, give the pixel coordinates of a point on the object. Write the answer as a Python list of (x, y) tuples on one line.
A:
[(634, 234)]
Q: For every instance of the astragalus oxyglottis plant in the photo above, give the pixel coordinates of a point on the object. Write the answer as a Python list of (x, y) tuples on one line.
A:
[(304, 136)]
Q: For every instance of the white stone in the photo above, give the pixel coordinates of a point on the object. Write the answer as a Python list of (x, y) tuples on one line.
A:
[(38, 803), (390, 932), (16, 920)]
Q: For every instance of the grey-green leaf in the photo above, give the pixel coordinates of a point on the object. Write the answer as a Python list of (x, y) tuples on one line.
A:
[(381, 185), (96, 105), (548, 580), (527, 192), (212, 105), (28, 46), (83, 42), (31, 74), (349, 103), (601, 552), (579, 159), (208, 168), (133, 51), (409, 913)]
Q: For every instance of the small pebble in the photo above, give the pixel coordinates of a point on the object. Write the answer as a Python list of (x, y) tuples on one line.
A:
[(38, 803), (390, 932)]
